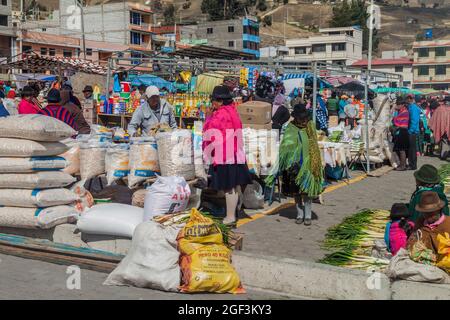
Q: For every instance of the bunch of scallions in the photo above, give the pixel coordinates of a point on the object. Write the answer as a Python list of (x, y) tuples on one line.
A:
[(351, 241)]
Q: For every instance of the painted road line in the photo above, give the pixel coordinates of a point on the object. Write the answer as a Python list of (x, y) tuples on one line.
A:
[(290, 203)]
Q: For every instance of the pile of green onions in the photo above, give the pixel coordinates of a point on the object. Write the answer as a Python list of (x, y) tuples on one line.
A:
[(351, 241)]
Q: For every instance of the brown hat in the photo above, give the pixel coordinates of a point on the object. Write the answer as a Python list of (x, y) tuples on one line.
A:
[(430, 202)]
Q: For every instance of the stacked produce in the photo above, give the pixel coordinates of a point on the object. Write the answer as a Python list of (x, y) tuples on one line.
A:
[(352, 240), (444, 173), (32, 185)]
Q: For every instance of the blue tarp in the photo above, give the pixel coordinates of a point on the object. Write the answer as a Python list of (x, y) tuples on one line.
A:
[(150, 80)]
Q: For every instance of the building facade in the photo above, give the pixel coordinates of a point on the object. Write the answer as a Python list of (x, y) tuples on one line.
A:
[(333, 45), (240, 34), (431, 65)]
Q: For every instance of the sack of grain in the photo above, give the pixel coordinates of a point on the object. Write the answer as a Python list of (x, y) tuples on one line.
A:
[(36, 198), (35, 127), (32, 218), (37, 180), (92, 160), (27, 148), (144, 162), (117, 163), (175, 151), (23, 165)]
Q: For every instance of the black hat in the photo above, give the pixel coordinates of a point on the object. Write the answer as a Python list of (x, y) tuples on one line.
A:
[(427, 174), (54, 96), (88, 89), (221, 93), (300, 112)]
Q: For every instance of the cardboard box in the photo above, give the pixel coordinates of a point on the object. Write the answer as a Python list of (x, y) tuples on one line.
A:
[(255, 112), (267, 126)]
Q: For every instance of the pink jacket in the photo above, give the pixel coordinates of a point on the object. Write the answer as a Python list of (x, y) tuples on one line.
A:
[(26, 107), (222, 137), (397, 237)]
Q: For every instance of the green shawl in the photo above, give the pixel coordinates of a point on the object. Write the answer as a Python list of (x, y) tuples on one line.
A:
[(301, 145)]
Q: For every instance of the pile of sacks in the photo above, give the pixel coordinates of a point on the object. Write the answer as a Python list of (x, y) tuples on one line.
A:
[(33, 191)]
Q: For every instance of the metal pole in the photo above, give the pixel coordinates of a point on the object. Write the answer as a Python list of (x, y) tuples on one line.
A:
[(314, 100)]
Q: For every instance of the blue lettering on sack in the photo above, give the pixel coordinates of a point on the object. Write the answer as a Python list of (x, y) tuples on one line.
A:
[(121, 173), (144, 173)]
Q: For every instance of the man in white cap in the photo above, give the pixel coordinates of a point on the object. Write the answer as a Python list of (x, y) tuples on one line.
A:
[(152, 111)]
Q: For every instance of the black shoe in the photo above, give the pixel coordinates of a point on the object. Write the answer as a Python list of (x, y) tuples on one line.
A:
[(307, 222)]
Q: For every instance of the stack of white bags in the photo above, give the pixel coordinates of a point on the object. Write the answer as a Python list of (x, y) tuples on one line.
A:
[(32, 183)]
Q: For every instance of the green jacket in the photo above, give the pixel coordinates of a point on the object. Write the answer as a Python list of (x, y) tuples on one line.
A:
[(415, 199)]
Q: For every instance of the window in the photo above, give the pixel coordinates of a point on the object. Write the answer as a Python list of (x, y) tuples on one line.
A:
[(423, 52), (440, 51), (88, 51), (231, 44), (441, 70), (422, 71), (52, 52), (67, 53), (209, 30), (135, 18), (398, 69), (230, 28), (3, 20), (4, 2), (300, 50), (44, 51), (319, 48), (338, 47), (136, 38)]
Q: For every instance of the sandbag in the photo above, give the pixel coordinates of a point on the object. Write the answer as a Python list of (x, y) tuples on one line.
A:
[(36, 198), (117, 163), (26, 165), (92, 160), (175, 151), (166, 195), (112, 219), (152, 261), (37, 180), (27, 148), (31, 218), (254, 196), (143, 158), (35, 127)]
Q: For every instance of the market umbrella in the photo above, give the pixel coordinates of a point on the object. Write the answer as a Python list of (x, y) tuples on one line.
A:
[(150, 80)]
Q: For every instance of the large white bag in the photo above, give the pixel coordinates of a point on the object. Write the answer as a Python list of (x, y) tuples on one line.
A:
[(36, 198), (152, 261), (167, 195), (23, 165), (27, 148), (117, 163), (35, 127), (37, 180), (30, 218), (112, 219), (144, 161)]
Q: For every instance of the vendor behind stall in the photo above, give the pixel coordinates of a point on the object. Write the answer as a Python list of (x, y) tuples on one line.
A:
[(152, 112)]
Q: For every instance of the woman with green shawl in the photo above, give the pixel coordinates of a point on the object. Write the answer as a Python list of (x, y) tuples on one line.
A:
[(300, 163)]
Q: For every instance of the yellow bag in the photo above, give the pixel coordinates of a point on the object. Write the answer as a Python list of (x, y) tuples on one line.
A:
[(205, 261), (444, 251)]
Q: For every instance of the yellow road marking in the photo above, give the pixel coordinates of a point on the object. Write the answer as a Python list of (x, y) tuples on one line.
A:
[(292, 202)]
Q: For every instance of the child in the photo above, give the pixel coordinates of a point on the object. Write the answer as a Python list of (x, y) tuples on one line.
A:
[(398, 229)]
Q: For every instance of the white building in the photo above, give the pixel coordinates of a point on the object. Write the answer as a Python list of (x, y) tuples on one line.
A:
[(333, 45)]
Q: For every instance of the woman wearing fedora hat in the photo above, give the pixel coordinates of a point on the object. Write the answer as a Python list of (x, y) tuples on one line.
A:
[(432, 222)]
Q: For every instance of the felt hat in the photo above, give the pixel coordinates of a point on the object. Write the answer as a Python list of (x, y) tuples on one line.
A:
[(88, 89), (427, 174), (54, 96), (429, 202), (221, 93)]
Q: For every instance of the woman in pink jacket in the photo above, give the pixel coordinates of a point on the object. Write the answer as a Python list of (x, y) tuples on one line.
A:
[(26, 106), (223, 150)]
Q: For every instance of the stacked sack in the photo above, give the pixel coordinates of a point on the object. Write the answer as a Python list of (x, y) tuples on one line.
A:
[(32, 183)]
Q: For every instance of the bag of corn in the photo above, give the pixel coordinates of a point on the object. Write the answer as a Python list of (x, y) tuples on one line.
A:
[(144, 162), (205, 261), (27, 148), (37, 180), (36, 198), (35, 127), (117, 163), (31, 218), (24, 165)]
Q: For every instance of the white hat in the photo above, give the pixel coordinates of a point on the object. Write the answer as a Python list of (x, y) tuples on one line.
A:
[(152, 91)]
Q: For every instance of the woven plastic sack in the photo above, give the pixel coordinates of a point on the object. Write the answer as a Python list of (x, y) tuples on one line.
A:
[(25, 165), (36, 198), (31, 218), (144, 161), (35, 127), (205, 261), (117, 163), (37, 180), (27, 148), (176, 157), (92, 160)]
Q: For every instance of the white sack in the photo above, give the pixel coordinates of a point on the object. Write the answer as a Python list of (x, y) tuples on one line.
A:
[(24, 165), (30, 218), (112, 219), (27, 148), (36, 198), (152, 261), (35, 127), (144, 162), (37, 180)]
